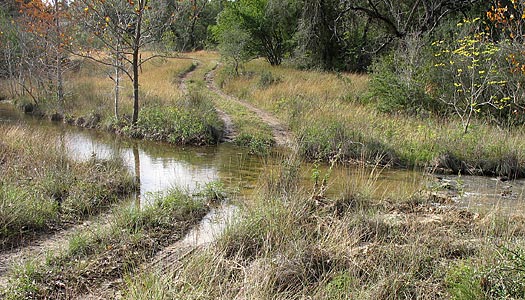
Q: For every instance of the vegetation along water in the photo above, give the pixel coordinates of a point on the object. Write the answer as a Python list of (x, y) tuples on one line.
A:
[(262, 149)]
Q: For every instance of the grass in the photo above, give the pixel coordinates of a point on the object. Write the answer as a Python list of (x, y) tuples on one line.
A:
[(107, 253), (327, 115), (291, 244), (192, 121), (43, 189)]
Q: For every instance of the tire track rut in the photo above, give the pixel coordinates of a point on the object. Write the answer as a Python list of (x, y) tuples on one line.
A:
[(282, 135)]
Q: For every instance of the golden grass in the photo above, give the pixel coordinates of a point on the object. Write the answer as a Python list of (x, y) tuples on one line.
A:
[(42, 188), (293, 83), (289, 244), (93, 90)]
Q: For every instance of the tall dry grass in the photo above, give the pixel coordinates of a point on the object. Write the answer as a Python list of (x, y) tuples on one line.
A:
[(42, 188)]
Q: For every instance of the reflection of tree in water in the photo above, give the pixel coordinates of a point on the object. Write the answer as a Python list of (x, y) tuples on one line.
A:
[(136, 160)]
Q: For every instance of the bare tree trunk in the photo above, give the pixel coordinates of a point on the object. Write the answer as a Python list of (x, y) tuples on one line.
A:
[(135, 86), (135, 63), (136, 159), (59, 78), (117, 90), (118, 65), (60, 83), (11, 76)]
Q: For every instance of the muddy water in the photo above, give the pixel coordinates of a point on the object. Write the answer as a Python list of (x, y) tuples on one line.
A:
[(160, 166)]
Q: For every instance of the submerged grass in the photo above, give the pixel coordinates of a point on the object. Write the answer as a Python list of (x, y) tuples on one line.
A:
[(106, 253), (327, 115), (41, 188), (290, 243)]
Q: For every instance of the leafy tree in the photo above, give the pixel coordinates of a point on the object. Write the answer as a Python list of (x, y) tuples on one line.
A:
[(346, 34), (190, 32), (400, 18), (317, 43), (270, 23), (507, 20), (46, 25), (233, 47), (469, 66)]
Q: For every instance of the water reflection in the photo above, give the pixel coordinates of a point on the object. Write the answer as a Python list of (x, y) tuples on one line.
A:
[(136, 159)]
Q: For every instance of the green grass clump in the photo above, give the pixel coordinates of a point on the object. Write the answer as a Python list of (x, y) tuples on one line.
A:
[(501, 276), (23, 210), (192, 121), (108, 252)]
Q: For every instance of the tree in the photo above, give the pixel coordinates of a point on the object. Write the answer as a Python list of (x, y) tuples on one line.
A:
[(469, 66), (124, 28), (48, 23), (194, 17), (233, 47), (400, 18), (345, 34), (271, 25), (507, 18), (319, 38)]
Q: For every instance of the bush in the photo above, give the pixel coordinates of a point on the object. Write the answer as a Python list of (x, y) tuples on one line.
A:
[(325, 141), (267, 79), (398, 80)]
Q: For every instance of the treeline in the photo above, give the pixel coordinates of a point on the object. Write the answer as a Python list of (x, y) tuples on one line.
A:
[(340, 35)]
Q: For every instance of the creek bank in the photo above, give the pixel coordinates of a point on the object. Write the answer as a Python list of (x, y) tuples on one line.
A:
[(44, 191), (196, 132), (97, 256)]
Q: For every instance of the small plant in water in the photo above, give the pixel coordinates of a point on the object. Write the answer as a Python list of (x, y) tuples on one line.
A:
[(213, 191)]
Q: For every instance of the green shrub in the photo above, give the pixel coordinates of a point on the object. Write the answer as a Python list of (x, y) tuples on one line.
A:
[(326, 140), (267, 79), (398, 80), (463, 283), (256, 143)]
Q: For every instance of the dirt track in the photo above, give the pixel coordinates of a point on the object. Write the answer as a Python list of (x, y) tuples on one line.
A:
[(281, 134)]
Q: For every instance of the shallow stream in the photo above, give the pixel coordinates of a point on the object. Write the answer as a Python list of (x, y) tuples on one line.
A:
[(160, 166)]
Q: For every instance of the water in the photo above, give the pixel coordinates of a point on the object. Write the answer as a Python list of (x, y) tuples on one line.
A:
[(161, 166)]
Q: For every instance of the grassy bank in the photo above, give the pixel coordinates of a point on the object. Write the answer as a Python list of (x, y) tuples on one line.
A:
[(42, 189), (166, 112), (290, 244), (107, 253), (327, 114)]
